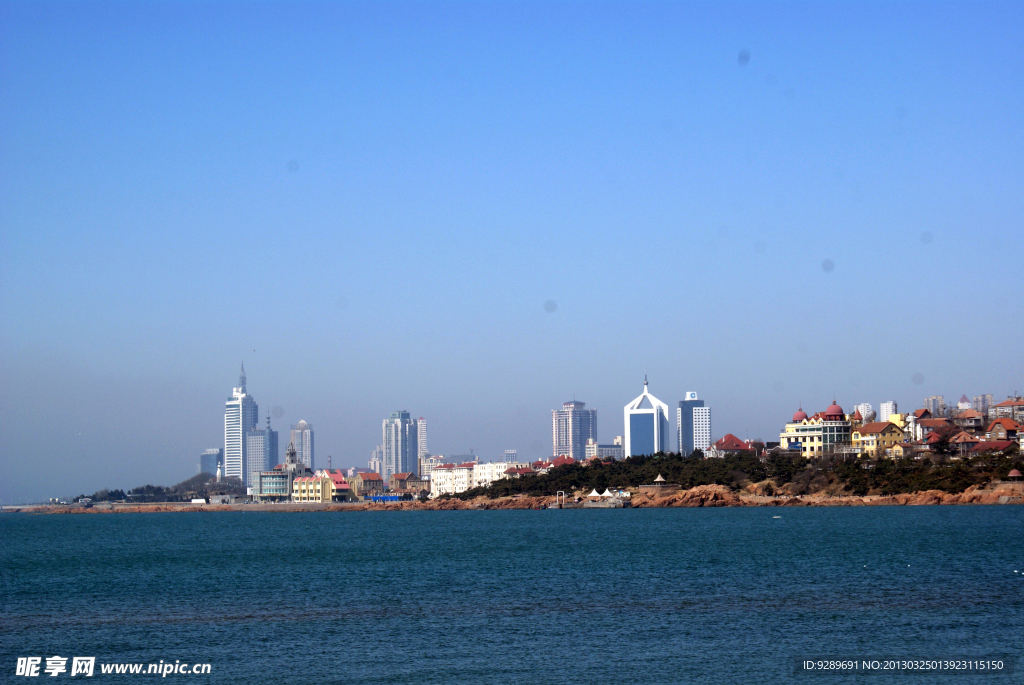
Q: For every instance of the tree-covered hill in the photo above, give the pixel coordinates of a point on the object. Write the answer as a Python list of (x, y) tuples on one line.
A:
[(787, 473)]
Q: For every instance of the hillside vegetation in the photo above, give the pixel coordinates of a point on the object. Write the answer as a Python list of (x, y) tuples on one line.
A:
[(783, 473)]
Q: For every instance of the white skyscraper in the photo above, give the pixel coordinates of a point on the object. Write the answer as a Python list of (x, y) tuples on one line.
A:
[(302, 439), (885, 410), (693, 425), (702, 428), (571, 427), (421, 438), (240, 416), (400, 444), (511, 457), (647, 427)]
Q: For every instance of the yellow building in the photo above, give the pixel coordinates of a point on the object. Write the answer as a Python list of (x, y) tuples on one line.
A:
[(815, 435), (876, 438), (311, 489)]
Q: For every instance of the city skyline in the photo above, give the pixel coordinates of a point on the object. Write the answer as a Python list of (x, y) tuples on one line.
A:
[(707, 174)]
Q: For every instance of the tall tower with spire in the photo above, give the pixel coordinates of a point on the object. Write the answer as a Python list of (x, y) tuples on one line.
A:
[(240, 416)]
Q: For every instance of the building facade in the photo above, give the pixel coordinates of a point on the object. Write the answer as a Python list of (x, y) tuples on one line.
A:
[(240, 416), (885, 410), (936, 404), (826, 431), (400, 444), (693, 425), (981, 403), (571, 427), (876, 438), (302, 438), (211, 460), (451, 479), (614, 451), (376, 463), (511, 456), (646, 425), (485, 474), (261, 453), (421, 438)]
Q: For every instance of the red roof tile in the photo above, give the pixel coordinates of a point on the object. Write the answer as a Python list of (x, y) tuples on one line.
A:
[(731, 442), (875, 427), (993, 445), (1008, 424)]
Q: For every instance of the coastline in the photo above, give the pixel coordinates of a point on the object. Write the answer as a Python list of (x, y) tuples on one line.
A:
[(700, 496)]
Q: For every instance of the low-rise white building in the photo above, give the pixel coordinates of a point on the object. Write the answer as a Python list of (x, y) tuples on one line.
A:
[(451, 479), (615, 451), (485, 474)]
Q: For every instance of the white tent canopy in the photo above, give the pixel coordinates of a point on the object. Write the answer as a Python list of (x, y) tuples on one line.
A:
[(607, 493), (593, 493), (659, 479)]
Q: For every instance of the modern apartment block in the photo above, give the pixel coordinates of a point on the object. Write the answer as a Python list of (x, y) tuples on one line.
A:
[(981, 404), (421, 438), (693, 425), (400, 444), (511, 456), (885, 410), (571, 427), (646, 424), (240, 416), (936, 404), (302, 439)]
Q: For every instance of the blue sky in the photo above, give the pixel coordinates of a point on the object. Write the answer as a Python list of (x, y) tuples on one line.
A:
[(371, 204)]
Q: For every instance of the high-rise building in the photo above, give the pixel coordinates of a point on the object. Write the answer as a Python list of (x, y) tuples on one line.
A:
[(646, 420), (864, 408), (885, 410), (511, 457), (210, 460), (693, 425), (261, 453), (240, 416), (936, 404), (571, 427), (401, 444), (302, 439), (376, 463), (421, 438), (981, 403)]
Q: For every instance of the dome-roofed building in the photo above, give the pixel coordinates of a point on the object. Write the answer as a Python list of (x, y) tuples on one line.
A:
[(823, 432), (834, 410)]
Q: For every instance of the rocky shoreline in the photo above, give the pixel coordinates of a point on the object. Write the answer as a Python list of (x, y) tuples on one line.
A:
[(701, 496)]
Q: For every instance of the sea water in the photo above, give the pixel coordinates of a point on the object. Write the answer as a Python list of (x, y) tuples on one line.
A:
[(625, 596)]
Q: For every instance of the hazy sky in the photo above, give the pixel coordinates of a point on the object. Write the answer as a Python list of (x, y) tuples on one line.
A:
[(376, 206)]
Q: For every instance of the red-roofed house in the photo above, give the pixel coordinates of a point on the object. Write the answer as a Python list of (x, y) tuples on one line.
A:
[(367, 483), (873, 439), (726, 446), (970, 420), (1002, 429), (996, 447), (407, 482)]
